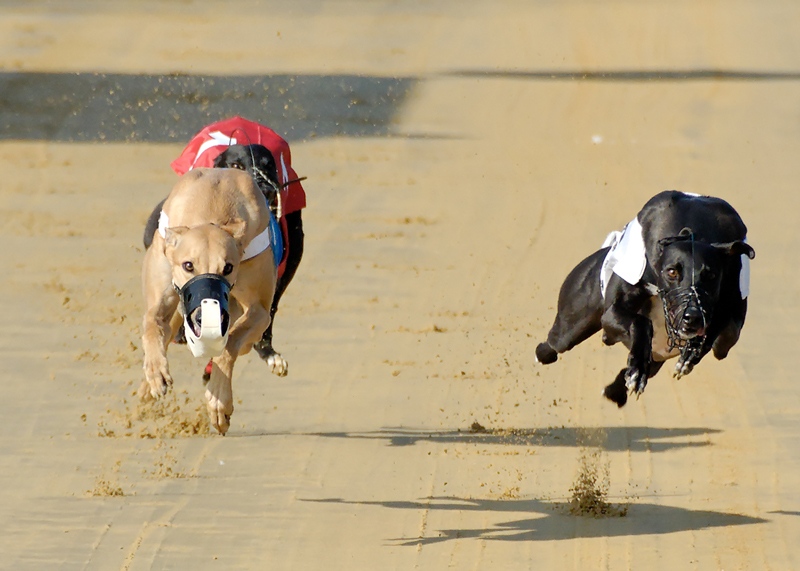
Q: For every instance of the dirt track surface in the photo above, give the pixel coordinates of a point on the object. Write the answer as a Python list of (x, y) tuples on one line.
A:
[(483, 149)]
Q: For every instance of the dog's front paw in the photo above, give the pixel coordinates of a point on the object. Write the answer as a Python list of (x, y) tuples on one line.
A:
[(690, 356), (682, 368), (220, 409), (157, 378), (635, 380)]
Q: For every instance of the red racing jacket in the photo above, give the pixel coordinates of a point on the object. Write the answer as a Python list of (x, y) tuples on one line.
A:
[(206, 145)]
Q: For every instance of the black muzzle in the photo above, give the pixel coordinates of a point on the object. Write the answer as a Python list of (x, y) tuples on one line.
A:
[(205, 286)]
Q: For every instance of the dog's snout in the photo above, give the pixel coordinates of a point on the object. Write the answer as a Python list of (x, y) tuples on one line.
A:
[(196, 321), (692, 322), (693, 314)]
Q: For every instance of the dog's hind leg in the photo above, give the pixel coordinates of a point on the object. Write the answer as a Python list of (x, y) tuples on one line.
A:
[(277, 364), (580, 308), (564, 336)]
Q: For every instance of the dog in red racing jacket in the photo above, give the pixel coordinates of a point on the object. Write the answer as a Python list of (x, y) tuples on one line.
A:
[(241, 144)]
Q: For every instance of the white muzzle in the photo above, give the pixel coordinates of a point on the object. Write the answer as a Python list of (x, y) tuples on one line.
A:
[(206, 321), (211, 340)]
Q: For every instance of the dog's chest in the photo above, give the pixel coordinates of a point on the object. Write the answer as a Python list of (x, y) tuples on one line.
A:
[(660, 345)]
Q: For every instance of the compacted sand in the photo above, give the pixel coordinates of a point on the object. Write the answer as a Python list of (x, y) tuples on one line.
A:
[(461, 158)]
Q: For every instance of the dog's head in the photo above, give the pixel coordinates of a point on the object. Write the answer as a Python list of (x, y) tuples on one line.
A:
[(205, 263), (690, 278), (259, 162)]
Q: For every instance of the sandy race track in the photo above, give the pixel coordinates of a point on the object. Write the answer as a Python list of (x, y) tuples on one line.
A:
[(461, 158)]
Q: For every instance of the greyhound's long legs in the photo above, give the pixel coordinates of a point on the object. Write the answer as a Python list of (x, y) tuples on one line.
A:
[(162, 304), (219, 391)]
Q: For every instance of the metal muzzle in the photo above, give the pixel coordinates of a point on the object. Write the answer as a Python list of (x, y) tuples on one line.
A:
[(687, 313), (206, 319)]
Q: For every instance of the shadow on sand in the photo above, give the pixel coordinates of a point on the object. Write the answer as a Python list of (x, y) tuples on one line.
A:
[(612, 439), (630, 75), (114, 107), (554, 523)]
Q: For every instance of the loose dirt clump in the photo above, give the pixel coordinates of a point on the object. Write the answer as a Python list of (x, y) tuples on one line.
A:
[(172, 416), (165, 466), (510, 493), (478, 428), (590, 490), (105, 488), (168, 418)]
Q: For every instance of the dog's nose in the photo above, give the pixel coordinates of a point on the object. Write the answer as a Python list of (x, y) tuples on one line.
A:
[(693, 320)]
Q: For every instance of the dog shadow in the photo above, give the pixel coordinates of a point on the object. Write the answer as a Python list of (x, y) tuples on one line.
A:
[(554, 522), (612, 439)]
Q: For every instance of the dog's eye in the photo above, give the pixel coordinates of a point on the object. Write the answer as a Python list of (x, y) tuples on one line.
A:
[(237, 165), (188, 266), (672, 273), (226, 271)]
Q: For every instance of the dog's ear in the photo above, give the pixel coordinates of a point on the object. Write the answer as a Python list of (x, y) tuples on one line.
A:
[(221, 160), (737, 248), (268, 163), (684, 235), (264, 160), (173, 235), (236, 228), (664, 242)]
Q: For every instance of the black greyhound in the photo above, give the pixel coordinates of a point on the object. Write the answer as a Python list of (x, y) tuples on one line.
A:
[(682, 291)]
